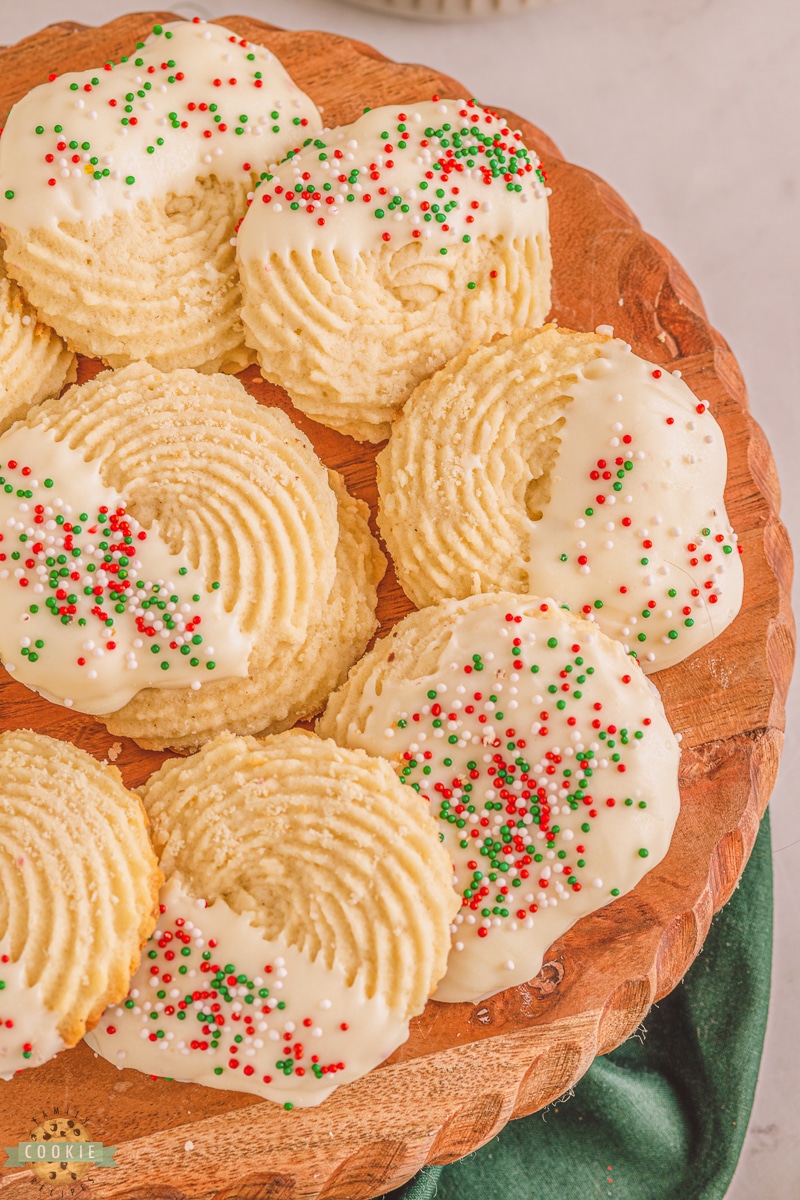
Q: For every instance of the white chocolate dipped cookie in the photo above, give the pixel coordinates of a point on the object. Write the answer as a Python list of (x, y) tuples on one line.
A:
[(176, 559), (386, 246), (78, 893), (34, 362), (559, 463), (304, 921), (121, 188), (545, 755)]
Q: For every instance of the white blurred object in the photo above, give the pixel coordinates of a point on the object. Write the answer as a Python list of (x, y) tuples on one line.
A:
[(450, 10)]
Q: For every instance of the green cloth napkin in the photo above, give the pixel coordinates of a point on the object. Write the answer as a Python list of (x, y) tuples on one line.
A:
[(661, 1118)]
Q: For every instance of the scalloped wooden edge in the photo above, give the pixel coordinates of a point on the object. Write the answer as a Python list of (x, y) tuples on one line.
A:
[(298, 1156)]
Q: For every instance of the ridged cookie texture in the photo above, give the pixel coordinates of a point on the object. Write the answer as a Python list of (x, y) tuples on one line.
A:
[(34, 362), (313, 898), (545, 755), (193, 566), (121, 188), (386, 246), (560, 463), (79, 886)]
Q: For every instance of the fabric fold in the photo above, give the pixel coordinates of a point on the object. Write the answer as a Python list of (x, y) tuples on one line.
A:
[(662, 1117)]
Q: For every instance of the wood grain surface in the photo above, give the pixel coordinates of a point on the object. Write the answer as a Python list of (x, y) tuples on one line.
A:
[(442, 1094)]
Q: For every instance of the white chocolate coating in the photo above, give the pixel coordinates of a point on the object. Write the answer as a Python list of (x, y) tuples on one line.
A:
[(677, 539), (398, 174), (53, 549), (546, 756), (29, 1032), (633, 531), (192, 101), (303, 1033)]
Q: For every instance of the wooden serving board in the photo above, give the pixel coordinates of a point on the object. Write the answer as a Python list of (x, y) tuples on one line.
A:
[(466, 1070)]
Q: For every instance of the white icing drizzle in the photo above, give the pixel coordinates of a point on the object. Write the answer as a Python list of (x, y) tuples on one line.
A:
[(98, 659), (396, 175), (194, 100), (646, 458), (532, 738), (28, 1028), (303, 1033)]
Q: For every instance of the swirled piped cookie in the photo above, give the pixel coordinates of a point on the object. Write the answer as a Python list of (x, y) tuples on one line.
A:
[(560, 463), (78, 892), (383, 248), (308, 902), (121, 188), (175, 559), (546, 758), (34, 362)]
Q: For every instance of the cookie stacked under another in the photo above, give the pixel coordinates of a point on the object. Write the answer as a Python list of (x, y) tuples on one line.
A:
[(188, 564), (78, 890), (34, 362)]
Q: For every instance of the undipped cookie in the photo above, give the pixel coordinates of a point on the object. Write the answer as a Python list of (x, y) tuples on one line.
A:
[(78, 898)]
